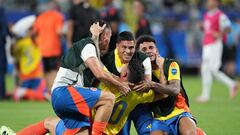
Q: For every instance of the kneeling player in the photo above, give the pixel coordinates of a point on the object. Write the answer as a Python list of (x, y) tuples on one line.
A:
[(172, 114), (28, 62), (71, 101)]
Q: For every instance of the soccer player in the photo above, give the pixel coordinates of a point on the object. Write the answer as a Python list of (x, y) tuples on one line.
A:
[(117, 60), (215, 26), (172, 114), (71, 101), (28, 63)]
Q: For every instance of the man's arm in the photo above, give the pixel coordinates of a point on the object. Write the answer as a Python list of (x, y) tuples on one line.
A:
[(147, 69), (173, 88), (225, 26), (98, 71)]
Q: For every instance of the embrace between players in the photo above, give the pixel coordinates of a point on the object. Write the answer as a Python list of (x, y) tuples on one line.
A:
[(99, 92)]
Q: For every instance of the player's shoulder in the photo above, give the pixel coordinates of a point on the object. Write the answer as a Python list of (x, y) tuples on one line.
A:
[(170, 63), (83, 43), (107, 57), (169, 60)]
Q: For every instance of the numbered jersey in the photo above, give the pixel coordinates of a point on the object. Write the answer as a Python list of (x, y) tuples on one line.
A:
[(123, 106)]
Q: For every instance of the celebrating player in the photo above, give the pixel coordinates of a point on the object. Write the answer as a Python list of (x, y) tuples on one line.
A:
[(172, 114), (70, 100)]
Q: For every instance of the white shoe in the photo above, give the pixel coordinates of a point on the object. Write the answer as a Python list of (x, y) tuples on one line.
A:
[(6, 131), (202, 99)]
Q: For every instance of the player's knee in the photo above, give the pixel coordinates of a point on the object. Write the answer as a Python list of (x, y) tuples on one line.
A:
[(50, 122), (109, 98), (47, 121)]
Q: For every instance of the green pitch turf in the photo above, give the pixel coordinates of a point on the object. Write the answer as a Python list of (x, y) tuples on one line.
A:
[(220, 116)]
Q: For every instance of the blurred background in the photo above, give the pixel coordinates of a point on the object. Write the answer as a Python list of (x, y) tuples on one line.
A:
[(173, 23)]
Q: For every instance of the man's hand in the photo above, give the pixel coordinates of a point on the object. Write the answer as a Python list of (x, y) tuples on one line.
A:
[(96, 29), (124, 88), (217, 35), (143, 86)]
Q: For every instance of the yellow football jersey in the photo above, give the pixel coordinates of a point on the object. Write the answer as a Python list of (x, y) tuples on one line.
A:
[(173, 73), (27, 54), (123, 106)]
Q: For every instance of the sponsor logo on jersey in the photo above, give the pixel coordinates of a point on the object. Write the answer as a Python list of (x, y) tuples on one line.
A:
[(174, 71)]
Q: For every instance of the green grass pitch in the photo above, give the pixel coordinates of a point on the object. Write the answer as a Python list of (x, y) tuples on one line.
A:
[(220, 116)]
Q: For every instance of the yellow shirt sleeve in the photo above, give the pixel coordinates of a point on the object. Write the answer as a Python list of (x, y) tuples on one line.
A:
[(174, 71)]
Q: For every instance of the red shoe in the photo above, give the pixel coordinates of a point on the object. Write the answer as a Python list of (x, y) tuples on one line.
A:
[(200, 131)]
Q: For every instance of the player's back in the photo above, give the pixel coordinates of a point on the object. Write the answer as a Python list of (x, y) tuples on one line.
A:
[(29, 58), (123, 106)]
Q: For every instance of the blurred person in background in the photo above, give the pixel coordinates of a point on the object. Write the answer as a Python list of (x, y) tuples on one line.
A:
[(48, 29), (81, 16), (28, 62), (143, 24), (215, 27), (3, 58), (230, 48)]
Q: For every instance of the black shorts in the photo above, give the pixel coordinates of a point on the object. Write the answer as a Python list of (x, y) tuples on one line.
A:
[(50, 63), (229, 53)]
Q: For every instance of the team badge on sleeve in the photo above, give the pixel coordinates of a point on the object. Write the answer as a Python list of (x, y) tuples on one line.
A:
[(174, 71)]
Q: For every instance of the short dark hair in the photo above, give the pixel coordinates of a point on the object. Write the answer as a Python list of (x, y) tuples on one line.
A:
[(135, 71), (125, 36), (144, 38)]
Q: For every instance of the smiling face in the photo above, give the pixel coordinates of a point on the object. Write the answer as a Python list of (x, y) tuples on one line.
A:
[(104, 40), (126, 50), (150, 49)]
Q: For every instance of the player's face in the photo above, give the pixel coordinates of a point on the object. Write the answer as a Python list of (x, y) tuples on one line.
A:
[(150, 49), (104, 40), (126, 50)]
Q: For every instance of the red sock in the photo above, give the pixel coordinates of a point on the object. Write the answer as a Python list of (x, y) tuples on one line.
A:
[(98, 128), (200, 131), (34, 129)]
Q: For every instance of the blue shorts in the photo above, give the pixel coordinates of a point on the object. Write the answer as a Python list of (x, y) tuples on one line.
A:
[(171, 125), (60, 128), (73, 105), (32, 83), (142, 119)]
